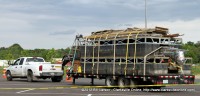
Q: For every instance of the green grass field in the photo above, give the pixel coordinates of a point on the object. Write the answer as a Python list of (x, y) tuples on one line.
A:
[(196, 70)]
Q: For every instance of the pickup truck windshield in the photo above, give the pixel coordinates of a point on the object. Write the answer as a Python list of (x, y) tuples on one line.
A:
[(34, 60)]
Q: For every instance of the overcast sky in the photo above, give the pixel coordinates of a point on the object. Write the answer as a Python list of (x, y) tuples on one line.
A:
[(54, 23)]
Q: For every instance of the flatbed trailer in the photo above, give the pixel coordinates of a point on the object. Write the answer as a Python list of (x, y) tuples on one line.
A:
[(129, 57)]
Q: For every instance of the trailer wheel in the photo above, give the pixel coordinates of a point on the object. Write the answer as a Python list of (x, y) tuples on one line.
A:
[(110, 81), (133, 83), (123, 82)]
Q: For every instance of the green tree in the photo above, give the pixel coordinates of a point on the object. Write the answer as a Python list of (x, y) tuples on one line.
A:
[(15, 51), (9, 57), (192, 51), (24, 53), (50, 54)]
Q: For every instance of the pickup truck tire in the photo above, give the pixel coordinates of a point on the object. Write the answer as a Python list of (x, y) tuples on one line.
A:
[(30, 76), (8, 76), (56, 79)]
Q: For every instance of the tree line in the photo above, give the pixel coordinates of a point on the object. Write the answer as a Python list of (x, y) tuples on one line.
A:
[(192, 50), (15, 51)]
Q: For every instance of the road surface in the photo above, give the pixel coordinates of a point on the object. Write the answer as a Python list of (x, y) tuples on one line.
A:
[(20, 87)]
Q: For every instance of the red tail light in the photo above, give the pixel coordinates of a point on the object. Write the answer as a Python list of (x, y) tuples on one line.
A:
[(40, 68)]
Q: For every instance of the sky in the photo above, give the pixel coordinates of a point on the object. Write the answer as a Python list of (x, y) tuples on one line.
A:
[(55, 23)]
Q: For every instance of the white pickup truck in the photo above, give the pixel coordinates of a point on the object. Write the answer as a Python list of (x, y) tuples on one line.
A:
[(34, 68)]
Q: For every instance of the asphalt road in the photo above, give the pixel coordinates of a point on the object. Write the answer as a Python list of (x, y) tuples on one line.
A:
[(20, 87)]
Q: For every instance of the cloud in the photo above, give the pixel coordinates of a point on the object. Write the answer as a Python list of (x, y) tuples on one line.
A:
[(56, 21), (190, 28), (68, 32), (13, 25)]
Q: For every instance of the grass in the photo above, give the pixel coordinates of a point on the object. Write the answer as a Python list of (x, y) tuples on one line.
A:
[(1, 70), (196, 70)]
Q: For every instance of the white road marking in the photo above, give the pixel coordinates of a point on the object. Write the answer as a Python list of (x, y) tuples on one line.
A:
[(25, 91)]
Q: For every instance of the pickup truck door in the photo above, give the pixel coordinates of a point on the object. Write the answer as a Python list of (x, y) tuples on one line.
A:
[(19, 68), (13, 67)]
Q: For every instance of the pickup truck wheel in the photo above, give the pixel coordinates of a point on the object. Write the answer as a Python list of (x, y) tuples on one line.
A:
[(56, 79), (30, 76), (8, 76)]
